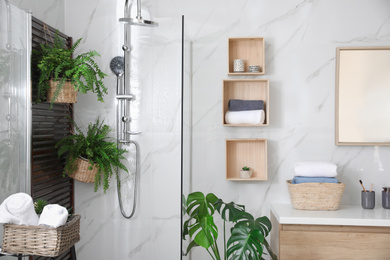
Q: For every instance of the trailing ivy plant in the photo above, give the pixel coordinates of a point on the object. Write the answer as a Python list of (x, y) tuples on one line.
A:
[(247, 236), (99, 149), (56, 62)]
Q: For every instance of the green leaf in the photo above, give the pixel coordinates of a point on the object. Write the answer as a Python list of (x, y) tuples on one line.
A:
[(228, 211), (198, 204), (263, 224), (204, 230), (245, 243)]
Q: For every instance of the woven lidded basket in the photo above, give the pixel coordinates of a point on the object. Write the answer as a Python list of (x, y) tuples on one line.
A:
[(82, 173), (316, 196), (68, 94), (41, 240)]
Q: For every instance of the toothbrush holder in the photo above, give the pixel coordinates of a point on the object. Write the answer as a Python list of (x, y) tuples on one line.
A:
[(368, 199)]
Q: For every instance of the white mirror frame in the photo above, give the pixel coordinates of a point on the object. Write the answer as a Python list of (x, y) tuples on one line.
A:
[(363, 96)]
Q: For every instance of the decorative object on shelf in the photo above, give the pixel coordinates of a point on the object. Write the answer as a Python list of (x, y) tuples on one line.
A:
[(238, 65), (249, 49), (251, 152), (386, 197), (254, 68), (245, 173), (316, 196), (55, 62), (368, 199), (247, 236), (100, 150)]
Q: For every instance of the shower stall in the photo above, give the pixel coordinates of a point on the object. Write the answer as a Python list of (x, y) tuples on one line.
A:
[(153, 232), (15, 127)]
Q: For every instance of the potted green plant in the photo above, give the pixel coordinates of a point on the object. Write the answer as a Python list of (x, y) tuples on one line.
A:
[(245, 173), (247, 236), (60, 72), (91, 157)]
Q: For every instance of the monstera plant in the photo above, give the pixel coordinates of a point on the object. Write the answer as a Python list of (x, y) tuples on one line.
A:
[(247, 236)]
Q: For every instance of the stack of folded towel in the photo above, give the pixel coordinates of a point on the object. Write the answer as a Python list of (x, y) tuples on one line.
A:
[(245, 112), (320, 172), (19, 209)]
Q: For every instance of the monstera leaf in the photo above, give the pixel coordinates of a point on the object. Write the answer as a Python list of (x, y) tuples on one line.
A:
[(245, 244), (263, 224), (228, 211), (199, 205), (205, 231)]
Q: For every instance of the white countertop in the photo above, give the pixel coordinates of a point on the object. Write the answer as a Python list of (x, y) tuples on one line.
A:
[(350, 215)]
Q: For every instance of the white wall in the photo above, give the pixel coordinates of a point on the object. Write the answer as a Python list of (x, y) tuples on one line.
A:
[(301, 38), (154, 231)]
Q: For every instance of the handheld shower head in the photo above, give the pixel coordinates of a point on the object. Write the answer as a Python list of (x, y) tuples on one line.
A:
[(117, 65)]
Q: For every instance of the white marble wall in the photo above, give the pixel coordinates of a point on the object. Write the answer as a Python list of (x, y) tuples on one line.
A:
[(301, 38), (154, 231)]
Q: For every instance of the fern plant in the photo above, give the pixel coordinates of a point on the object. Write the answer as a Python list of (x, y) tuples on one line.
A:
[(99, 149), (56, 62)]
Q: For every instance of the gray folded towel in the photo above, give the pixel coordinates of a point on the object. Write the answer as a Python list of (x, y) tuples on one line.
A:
[(243, 105)]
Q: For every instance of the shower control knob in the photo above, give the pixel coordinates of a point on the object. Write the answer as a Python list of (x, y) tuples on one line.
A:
[(126, 119)]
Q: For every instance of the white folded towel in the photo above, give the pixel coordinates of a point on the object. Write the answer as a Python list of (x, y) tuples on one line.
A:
[(18, 209), (315, 169), (53, 215), (245, 117)]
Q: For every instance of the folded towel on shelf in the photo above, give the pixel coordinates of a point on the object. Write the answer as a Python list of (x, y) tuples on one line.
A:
[(53, 215), (315, 169), (298, 179), (18, 209), (244, 105), (245, 117)]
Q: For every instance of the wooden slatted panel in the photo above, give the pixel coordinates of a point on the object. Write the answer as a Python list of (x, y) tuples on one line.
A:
[(48, 127)]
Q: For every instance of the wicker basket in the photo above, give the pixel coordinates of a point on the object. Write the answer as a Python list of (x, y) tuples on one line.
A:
[(82, 173), (41, 240), (68, 94), (316, 196)]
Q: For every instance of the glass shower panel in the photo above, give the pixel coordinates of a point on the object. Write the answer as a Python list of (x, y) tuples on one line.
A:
[(15, 122)]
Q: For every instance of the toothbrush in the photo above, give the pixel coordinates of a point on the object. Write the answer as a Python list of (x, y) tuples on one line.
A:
[(361, 183), (371, 187)]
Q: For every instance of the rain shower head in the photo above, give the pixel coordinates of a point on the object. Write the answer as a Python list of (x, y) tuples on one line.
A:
[(139, 21)]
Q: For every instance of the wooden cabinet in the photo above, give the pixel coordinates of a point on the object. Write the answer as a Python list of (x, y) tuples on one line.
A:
[(251, 50), (246, 152), (246, 89), (292, 241)]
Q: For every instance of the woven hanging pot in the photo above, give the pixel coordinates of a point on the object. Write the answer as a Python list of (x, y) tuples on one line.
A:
[(82, 173), (68, 93)]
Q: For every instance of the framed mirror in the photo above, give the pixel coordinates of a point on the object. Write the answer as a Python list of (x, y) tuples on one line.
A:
[(363, 96)]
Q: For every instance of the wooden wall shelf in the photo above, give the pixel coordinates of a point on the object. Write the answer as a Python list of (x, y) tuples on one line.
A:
[(246, 89), (251, 50), (246, 152)]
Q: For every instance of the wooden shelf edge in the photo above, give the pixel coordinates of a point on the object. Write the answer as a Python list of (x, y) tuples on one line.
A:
[(245, 73), (224, 124), (251, 179)]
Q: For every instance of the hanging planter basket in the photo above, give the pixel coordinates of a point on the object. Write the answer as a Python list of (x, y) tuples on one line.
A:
[(68, 93), (82, 173)]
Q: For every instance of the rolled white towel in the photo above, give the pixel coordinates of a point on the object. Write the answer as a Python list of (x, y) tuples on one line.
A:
[(53, 215), (315, 169), (18, 209), (245, 117)]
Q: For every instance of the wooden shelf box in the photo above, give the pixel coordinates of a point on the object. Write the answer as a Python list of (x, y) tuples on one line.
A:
[(246, 89), (251, 50), (246, 152)]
